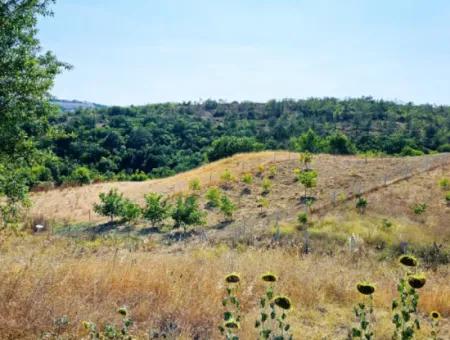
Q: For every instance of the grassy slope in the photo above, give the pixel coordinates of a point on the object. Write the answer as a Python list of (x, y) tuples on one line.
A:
[(88, 276)]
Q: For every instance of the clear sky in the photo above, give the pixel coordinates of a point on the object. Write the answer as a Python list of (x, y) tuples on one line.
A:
[(146, 51)]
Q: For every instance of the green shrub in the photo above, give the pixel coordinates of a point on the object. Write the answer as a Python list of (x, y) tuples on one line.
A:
[(227, 207), (266, 185), (187, 213), (419, 208), (81, 175), (156, 209), (111, 204), (444, 183), (130, 211), (447, 197), (361, 205), (247, 178), (213, 196), (308, 179), (194, 185)]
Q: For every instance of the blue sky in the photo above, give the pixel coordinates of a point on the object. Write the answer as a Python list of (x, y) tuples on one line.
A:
[(145, 51)]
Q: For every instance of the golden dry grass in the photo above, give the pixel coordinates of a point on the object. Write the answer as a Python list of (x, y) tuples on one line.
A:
[(46, 277), (337, 174), (180, 287)]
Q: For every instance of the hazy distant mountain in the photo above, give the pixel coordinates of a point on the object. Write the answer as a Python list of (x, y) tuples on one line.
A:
[(72, 105)]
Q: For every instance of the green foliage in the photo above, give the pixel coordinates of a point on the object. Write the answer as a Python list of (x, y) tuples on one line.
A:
[(81, 175), (339, 144), (227, 207), (226, 146), (247, 178), (130, 211), (111, 204), (361, 205), (156, 209), (419, 208), (194, 185), (305, 160), (447, 197), (308, 179), (266, 185), (410, 151), (187, 213), (272, 171), (111, 331), (302, 218), (26, 77), (213, 196), (444, 183), (307, 142), (163, 139), (263, 203)]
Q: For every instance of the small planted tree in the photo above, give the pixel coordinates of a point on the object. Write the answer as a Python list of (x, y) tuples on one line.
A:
[(262, 203), (272, 171), (419, 208), (111, 204), (194, 185), (247, 179), (156, 209), (444, 183), (213, 196), (227, 207), (187, 213), (305, 160), (361, 205), (447, 197), (302, 219), (130, 211), (308, 179), (266, 186), (226, 179)]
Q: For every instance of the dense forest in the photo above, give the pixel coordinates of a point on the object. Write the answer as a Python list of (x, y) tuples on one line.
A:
[(140, 142)]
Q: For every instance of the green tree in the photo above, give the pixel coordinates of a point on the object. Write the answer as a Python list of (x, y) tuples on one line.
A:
[(308, 141), (156, 209), (229, 145), (187, 213), (308, 179), (338, 143), (111, 204), (81, 175), (213, 196), (130, 211), (227, 207), (26, 77)]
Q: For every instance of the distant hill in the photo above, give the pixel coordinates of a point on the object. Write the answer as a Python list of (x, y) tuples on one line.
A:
[(72, 105)]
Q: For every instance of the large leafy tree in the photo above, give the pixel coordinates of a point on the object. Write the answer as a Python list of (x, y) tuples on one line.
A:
[(26, 76)]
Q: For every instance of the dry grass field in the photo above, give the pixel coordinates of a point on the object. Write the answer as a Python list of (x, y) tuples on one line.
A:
[(176, 287)]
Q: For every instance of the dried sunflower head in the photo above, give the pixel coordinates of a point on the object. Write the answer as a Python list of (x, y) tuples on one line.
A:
[(232, 278), (365, 288), (408, 260)]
